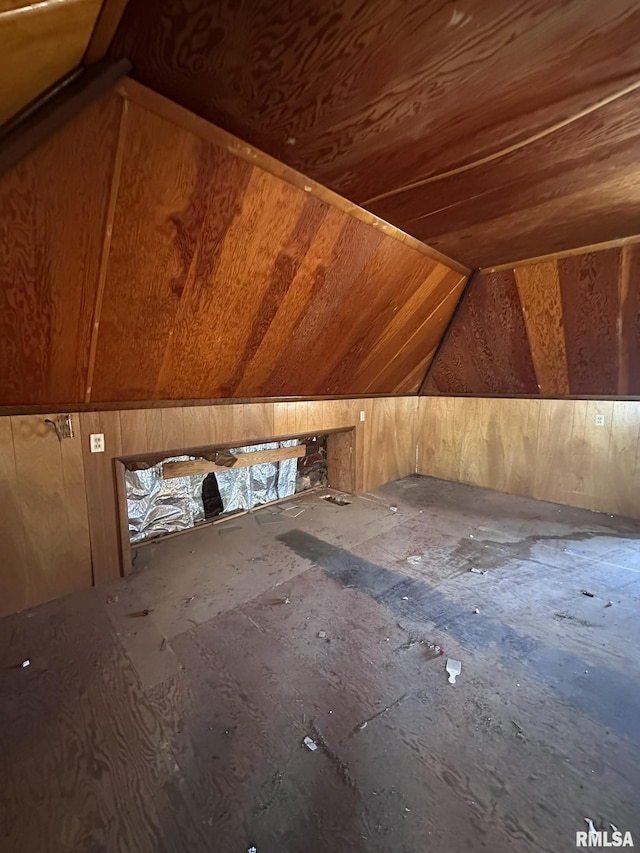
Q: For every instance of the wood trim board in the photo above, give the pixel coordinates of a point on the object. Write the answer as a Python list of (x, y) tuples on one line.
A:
[(191, 468)]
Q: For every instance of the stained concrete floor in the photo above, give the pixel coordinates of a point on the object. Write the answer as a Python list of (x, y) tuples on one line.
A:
[(183, 729)]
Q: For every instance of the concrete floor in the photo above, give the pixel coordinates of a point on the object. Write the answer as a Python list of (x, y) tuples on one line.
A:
[(182, 729)]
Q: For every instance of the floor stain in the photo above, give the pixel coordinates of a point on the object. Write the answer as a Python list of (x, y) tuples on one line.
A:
[(612, 703)]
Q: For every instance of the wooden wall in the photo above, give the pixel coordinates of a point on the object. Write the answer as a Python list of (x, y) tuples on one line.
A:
[(40, 43), (58, 509), (148, 256), (547, 449), (44, 526), (569, 326)]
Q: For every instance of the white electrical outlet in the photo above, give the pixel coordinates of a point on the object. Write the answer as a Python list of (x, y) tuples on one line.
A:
[(361, 416), (599, 420), (97, 442)]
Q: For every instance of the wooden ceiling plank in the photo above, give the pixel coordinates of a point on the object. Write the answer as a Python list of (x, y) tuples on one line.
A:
[(511, 110), (173, 112)]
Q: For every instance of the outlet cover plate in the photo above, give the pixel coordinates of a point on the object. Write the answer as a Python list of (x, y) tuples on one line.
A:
[(97, 442)]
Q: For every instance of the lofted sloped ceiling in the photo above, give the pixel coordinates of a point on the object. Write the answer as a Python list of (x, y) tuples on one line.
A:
[(147, 255), (560, 327), (493, 131), (43, 44)]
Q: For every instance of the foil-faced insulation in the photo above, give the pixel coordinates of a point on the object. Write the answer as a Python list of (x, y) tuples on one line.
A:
[(158, 506)]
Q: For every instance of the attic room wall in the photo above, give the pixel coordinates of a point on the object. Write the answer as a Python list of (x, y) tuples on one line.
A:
[(58, 510), (546, 449), (149, 256), (559, 327)]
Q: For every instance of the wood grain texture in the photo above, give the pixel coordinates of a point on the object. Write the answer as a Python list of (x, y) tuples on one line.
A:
[(86, 749), (14, 574), (248, 286), (39, 44), (341, 461), (52, 210), (540, 297), (44, 497), (170, 110), (487, 349), (589, 286), (629, 328), (547, 449), (170, 470), (582, 316), (104, 30), (102, 509), (573, 188), (383, 448), (348, 94)]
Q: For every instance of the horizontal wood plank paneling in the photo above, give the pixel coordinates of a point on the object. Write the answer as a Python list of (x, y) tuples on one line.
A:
[(547, 449), (350, 95), (582, 319)]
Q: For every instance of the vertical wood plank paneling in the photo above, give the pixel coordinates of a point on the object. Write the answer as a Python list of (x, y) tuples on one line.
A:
[(559, 473), (519, 422), (171, 427), (589, 286), (623, 465), (474, 459), (595, 451), (237, 421), (315, 413), (259, 420), (75, 491), (15, 575), (341, 461), (197, 426), (539, 289), (548, 449), (387, 440), (221, 420), (133, 429), (102, 505), (57, 551), (629, 327)]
